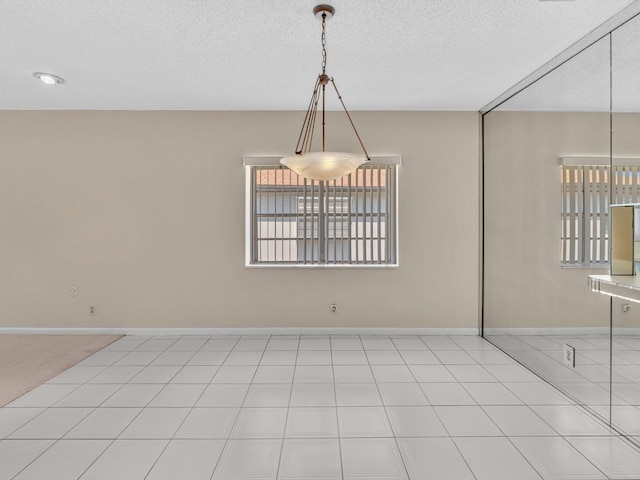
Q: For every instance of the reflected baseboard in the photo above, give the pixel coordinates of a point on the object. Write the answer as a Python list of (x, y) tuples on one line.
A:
[(557, 331)]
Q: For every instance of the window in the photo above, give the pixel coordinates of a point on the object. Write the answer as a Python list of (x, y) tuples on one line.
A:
[(585, 206), (296, 221)]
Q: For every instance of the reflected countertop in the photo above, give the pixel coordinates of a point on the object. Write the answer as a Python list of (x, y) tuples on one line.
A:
[(626, 287)]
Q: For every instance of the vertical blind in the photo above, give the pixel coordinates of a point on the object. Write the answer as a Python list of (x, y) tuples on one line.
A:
[(585, 208), (349, 221)]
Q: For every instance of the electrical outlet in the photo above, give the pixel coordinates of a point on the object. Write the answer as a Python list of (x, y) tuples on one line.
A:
[(569, 355), (333, 308), (73, 291), (92, 310)]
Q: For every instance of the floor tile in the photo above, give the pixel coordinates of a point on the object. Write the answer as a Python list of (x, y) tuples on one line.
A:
[(125, 344), (409, 344), (384, 357), (363, 422), (536, 393), (244, 358), (627, 417), (437, 343), (555, 459), (402, 394), (260, 423), (491, 394), (187, 345), (103, 358), (268, 395), (208, 423), (274, 374), (415, 422), (155, 345), (471, 373), (126, 460), (613, 456), (15, 455), (133, 395), (250, 345), (233, 464), (195, 374), (103, 423), (53, 423), (490, 357), (173, 358), (313, 374), (392, 373), (346, 357), (512, 373), (156, 374), (431, 373), (419, 357), (346, 344), (454, 357), (117, 374), (433, 459), (235, 374), (310, 459), (312, 395), (357, 394), (207, 358), (353, 374), (495, 459), (312, 422), (570, 420), (13, 418), (277, 357), (178, 396), (314, 344), (446, 394), (223, 395), (187, 460), (368, 458), (518, 420), (91, 395), (77, 374), (219, 345), (43, 396), (66, 459), (282, 344), (138, 358), (466, 421), (372, 343), (155, 423), (314, 357)]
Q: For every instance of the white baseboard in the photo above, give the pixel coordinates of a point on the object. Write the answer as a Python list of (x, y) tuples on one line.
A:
[(548, 331), (241, 331)]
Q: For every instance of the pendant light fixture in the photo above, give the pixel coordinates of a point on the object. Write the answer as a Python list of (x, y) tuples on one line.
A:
[(322, 165)]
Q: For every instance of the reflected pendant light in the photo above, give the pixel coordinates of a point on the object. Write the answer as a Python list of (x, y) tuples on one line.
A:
[(322, 165)]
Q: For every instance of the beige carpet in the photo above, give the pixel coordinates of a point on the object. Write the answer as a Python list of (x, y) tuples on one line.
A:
[(27, 361)]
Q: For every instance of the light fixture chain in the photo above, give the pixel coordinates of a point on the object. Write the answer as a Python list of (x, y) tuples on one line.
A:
[(324, 43)]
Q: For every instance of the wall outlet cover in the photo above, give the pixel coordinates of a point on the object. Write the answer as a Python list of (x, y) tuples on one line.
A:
[(569, 355)]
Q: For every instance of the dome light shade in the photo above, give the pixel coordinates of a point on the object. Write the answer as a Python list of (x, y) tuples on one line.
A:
[(323, 165)]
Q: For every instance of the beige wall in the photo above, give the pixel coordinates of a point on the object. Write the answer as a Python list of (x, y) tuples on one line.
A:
[(145, 212), (525, 285)]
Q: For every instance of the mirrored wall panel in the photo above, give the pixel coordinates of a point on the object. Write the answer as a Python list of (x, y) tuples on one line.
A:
[(625, 315), (547, 170)]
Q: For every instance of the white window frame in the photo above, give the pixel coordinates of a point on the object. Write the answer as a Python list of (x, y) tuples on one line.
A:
[(268, 161)]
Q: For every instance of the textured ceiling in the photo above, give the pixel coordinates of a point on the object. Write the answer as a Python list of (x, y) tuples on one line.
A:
[(258, 55)]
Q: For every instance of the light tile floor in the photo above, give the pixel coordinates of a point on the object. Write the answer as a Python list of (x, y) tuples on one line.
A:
[(304, 407)]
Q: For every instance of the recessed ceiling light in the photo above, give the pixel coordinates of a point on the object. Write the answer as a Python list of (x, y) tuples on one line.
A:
[(48, 78)]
